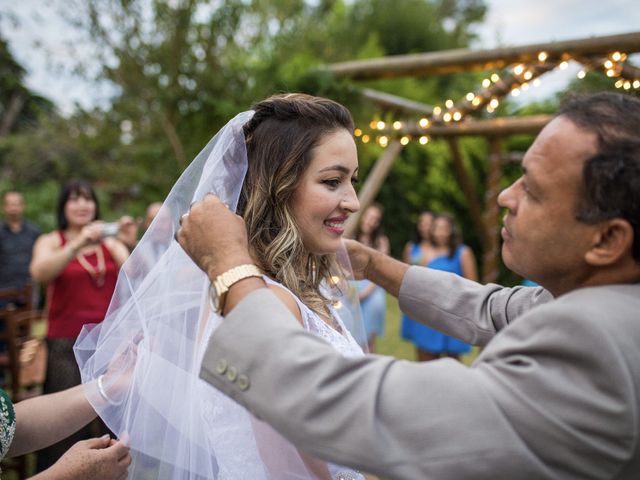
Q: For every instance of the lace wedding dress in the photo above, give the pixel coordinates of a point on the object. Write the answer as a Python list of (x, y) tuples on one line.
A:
[(248, 447)]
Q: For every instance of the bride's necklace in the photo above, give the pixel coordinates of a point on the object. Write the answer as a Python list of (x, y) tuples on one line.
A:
[(98, 272)]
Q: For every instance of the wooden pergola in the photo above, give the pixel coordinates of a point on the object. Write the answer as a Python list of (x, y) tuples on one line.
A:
[(519, 66)]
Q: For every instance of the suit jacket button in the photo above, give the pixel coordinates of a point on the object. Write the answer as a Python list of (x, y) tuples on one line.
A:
[(243, 382), (232, 374), (221, 366)]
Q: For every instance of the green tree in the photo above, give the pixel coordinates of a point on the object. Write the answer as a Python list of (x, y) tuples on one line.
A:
[(19, 106)]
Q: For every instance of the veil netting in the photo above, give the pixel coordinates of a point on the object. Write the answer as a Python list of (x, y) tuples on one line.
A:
[(141, 365)]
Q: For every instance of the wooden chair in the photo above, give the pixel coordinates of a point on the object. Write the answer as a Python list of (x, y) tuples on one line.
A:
[(22, 348), (17, 334), (16, 322), (20, 298), (14, 300)]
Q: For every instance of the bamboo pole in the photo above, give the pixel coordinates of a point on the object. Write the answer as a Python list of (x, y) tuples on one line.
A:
[(491, 218), (393, 102), (469, 191), (464, 60), (500, 126), (373, 183)]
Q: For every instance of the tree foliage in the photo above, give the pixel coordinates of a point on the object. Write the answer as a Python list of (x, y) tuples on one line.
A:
[(179, 69)]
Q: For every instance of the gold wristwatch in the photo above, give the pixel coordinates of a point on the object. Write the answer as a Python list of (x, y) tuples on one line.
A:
[(224, 281)]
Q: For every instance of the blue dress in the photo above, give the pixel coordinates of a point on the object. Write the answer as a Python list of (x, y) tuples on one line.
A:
[(373, 309), (427, 338)]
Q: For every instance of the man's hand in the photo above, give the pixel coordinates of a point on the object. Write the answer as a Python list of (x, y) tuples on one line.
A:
[(97, 458), (214, 237), (360, 257), (377, 267)]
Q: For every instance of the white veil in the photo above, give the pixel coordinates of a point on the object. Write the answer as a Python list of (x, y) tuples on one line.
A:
[(153, 337)]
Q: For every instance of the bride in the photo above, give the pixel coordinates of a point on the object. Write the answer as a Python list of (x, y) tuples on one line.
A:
[(288, 168)]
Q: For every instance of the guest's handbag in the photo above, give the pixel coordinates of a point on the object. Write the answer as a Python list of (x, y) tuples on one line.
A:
[(33, 362)]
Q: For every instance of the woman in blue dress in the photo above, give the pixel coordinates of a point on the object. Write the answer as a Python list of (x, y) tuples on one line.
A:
[(373, 300), (449, 255), (417, 252)]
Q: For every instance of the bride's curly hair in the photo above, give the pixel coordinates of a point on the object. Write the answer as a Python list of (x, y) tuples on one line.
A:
[(280, 140)]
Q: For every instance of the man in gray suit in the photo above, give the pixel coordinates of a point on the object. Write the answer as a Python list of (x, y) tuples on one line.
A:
[(556, 391)]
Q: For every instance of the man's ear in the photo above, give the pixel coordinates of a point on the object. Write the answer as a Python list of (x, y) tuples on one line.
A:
[(612, 240)]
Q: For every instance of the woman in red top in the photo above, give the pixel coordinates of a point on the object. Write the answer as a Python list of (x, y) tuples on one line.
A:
[(80, 267)]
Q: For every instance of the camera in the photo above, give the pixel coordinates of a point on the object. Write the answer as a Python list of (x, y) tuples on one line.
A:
[(109, 229)]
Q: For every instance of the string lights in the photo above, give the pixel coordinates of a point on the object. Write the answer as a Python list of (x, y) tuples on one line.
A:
[(514, 80)]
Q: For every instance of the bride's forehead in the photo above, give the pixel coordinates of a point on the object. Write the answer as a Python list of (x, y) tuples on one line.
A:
[(337, 148)]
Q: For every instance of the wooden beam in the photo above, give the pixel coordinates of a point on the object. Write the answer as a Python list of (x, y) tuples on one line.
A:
[(500, 126), (465, 60), (373, 183), (393, 102), (630, 72), (469, 191), (491, 218)]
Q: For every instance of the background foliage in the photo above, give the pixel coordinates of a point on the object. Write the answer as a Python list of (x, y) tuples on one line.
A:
[(180, 69)]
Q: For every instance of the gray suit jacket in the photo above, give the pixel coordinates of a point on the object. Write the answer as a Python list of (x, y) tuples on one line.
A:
[(554, 395)]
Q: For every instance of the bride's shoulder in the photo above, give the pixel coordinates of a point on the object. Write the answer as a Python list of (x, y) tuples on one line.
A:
[(285, 297)]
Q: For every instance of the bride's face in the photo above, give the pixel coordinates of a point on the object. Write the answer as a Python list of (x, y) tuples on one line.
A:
[(325, 197)]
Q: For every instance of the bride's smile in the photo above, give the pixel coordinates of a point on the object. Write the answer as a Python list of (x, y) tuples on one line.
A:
[(325, 196)]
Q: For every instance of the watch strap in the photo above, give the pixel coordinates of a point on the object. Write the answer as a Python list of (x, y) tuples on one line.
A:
[(225, 280)]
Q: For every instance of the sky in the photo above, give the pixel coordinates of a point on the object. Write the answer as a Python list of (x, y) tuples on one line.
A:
[(28, 23)]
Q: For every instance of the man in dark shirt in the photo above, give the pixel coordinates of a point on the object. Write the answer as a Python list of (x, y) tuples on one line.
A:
[(17, 237)]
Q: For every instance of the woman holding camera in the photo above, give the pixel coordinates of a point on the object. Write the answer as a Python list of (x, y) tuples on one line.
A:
[(79, 263)]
